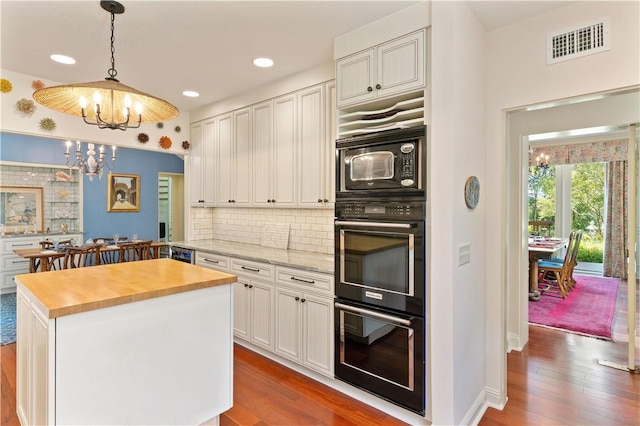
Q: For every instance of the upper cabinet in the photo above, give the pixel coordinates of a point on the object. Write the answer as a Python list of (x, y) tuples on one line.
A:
[(233, 154), (395, 67), (276, 153), (201, 163), (315, 147), (274, 148)]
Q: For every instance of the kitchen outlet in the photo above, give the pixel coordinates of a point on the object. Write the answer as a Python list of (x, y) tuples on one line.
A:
[(464, 254)]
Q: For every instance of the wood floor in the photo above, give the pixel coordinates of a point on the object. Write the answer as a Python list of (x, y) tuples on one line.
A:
[(554, 380)]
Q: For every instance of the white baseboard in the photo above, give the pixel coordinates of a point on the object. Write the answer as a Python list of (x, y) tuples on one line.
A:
[(514, 343)]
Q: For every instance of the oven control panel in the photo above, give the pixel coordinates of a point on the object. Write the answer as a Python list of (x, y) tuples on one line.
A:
[(380, 210)]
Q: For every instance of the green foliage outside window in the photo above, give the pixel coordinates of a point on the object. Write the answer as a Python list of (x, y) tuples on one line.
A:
[(587, 204)]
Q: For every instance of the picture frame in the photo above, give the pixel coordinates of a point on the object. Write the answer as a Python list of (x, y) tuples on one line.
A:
[(123, 193), (21, 209)]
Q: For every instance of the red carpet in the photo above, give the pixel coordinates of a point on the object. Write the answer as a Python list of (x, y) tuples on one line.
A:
[(589, 308)]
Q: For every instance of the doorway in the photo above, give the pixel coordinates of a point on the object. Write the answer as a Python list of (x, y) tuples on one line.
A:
[(601, 112), (170, 207)]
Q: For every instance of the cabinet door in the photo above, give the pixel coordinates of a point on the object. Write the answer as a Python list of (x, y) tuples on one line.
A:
[(284, 150), (318, 333), (400, 65), (208, 169), (224, 175), (311, 147), (262, 153), (242, 167), (331, 136), (261, 314), (288, 323), (241, 308), (355, 78), (195, 164)]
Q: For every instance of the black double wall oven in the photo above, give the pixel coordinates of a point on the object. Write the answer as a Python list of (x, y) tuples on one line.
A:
[(380, 265)]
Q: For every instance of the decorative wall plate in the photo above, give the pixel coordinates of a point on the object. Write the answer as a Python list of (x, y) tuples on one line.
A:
[(472, 192)]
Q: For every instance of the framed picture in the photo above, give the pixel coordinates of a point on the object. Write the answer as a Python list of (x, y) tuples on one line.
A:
[(21, 209), (123, 193)]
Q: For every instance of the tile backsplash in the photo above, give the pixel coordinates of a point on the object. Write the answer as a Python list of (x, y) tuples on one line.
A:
[(309, 229)]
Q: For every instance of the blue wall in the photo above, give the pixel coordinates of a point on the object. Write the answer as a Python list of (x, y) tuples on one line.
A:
[(97, 222)]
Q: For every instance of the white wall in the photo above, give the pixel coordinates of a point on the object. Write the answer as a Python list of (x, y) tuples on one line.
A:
[(73, 128), (457, 305), (517, 75)]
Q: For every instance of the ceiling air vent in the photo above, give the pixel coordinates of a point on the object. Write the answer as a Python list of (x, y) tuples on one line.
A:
[(584, 40)]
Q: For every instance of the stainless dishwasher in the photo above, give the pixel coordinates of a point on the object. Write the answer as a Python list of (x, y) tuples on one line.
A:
[(183, 254)]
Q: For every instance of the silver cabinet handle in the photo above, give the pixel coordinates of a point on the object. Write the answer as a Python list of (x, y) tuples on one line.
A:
[(303, 280), (22, 245), (250, 269), (376, 224), (373, 314), (211, 260)]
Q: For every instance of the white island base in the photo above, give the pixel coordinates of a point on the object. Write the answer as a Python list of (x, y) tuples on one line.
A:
[(164, 360)]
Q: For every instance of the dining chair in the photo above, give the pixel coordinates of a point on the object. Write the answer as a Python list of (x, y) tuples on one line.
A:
[(82, 256), (50, 245), (541, 228), (560, 271), (139, 250)]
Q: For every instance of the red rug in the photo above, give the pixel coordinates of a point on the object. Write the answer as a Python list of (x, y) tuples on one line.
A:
[(589, 308)]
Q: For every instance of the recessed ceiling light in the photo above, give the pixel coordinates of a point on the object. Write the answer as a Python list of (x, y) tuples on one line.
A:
[(263, 62), (63, 59), (191, 93)]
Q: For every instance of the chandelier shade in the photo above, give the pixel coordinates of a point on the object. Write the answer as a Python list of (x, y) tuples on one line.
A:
[(66, 99), (107, 103)]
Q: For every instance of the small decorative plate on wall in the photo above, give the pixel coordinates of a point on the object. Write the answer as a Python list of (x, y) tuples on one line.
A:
[(472, 192)]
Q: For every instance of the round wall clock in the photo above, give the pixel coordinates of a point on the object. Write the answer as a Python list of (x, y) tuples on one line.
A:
[(472, 192)]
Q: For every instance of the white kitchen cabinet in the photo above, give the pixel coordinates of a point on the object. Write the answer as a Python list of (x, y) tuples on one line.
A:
[(274, 143), (316, 146), (233, 174), (253, 302), (304, 318), (201, 163), (212, 261), (13, 265), (388, 69)]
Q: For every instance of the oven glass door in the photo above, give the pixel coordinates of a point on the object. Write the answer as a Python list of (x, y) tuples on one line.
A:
[(382, 353), (377, 260), (381, 263)]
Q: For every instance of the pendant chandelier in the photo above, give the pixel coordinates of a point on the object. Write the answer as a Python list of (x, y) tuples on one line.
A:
[(89, 165), (111, 101)]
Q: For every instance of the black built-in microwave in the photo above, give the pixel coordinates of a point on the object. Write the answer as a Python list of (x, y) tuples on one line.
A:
[(389, 163)]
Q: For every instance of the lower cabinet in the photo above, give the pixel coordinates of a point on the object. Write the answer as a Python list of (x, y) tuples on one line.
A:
[(253, 312), (285, 310), (303, 331)]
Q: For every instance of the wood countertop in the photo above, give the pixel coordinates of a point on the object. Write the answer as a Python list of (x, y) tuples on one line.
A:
[(72, 291)]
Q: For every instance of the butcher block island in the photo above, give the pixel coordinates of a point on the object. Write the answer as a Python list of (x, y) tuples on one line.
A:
[(147, 342)]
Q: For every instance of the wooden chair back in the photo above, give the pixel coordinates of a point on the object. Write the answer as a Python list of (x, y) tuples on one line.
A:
[(80, 257), (541, 228), (139, 250), (561, 271)]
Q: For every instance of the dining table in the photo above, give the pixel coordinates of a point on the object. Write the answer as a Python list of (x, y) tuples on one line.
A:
[(541, 248), (42, 260)]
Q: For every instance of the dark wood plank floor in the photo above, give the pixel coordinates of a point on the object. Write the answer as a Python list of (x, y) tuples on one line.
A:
[(555, 380)]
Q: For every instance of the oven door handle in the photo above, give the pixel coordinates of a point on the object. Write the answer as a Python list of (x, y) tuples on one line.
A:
[(376, 224), (374, 314)]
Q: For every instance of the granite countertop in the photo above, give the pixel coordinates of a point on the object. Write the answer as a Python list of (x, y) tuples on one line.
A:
[(316, 262), (71, 291)]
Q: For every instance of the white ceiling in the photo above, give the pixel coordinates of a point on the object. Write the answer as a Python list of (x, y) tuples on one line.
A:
[(165, 47)]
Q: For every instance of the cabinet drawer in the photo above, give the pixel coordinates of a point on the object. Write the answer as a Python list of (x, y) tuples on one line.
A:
[(8, 280), (15, 263), (8, 245), (252, 269), (212, 261), (304, 279)]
